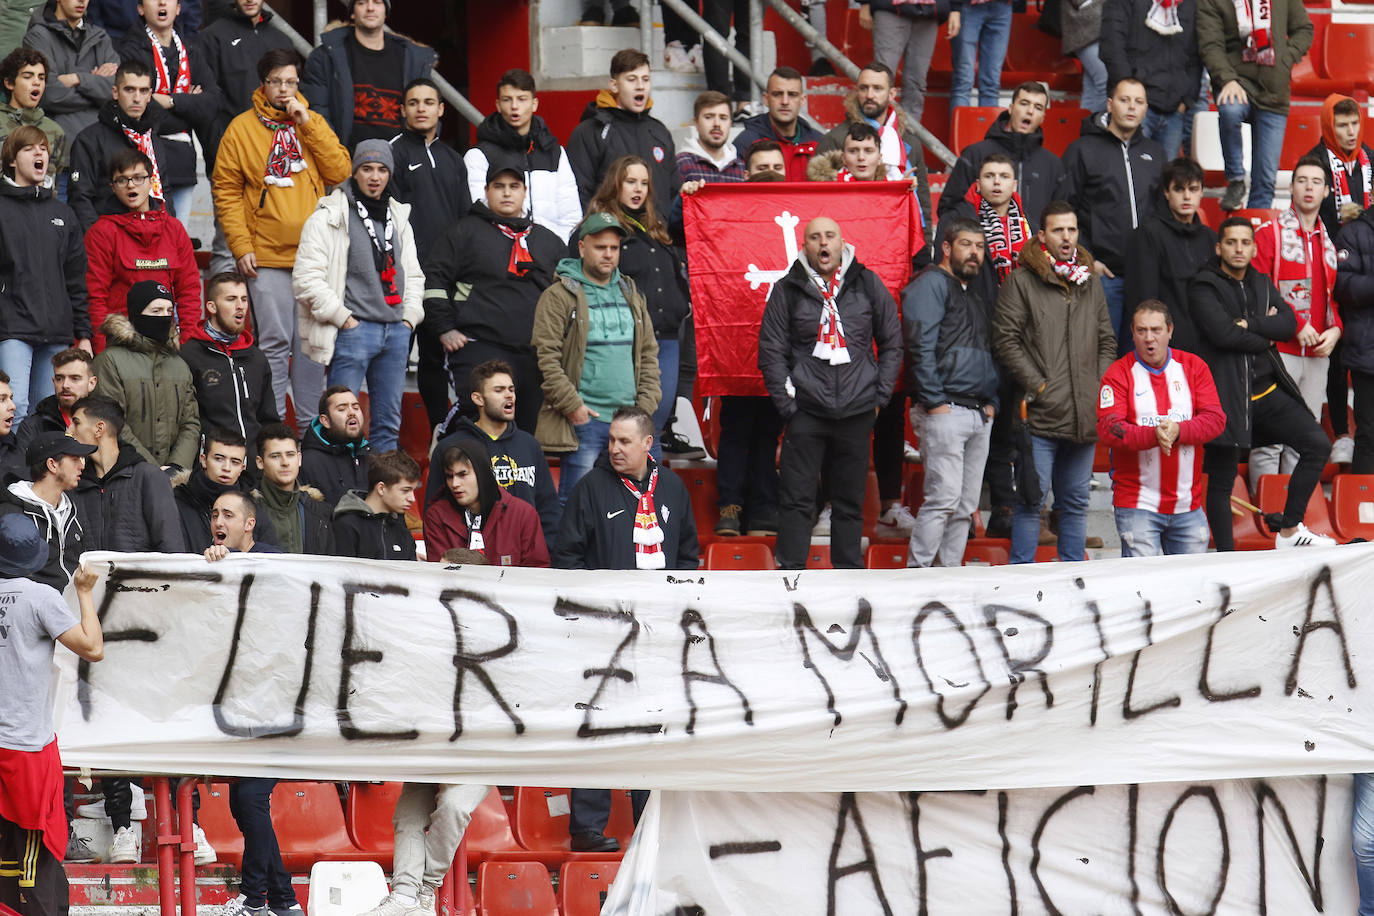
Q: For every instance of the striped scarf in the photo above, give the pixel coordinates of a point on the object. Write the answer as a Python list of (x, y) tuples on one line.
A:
[(647, 534)]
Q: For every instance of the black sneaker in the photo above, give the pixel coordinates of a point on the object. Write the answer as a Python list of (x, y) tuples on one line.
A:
[(1234, 198), (626, 16), (79, 851), (728, 523), (593, 842), (678, 447), (999, 523), (822, 67), (593, 14)]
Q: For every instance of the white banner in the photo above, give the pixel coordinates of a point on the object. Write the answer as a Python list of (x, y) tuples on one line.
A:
[(1106, 672), (1238, 847)]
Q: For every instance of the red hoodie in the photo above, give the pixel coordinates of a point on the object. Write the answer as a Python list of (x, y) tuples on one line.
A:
[(124, 248), (513, 536)]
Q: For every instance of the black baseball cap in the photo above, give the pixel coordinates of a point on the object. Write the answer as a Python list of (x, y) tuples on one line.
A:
[(54, 445)]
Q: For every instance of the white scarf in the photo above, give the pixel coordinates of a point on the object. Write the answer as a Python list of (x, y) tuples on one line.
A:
[(1163, 17), (830, 345), (1255, 21)]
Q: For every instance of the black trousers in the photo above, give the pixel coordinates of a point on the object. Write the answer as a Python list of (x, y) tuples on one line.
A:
[(264, 876), (746, 458), (31, 880), (1278, 418), (591, 809), (841, 447), (889, 447), (1336, 393), (997, 473), (718, 14), (431, 375), (1363, 385), (529, 395)]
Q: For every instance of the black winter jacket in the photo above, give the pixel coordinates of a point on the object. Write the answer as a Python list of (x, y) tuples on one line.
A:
[(1163, 258), (1168, 65), (131, 508), (327, 82), (360, 532), (1230, 350), (45, 418), (65, 542), (594, 535), (468, 285), (1039, 173), (432, 178), (517, 462), (1112, 185), (948, 330), (190, 111), (12, 457), (332, 468), (1355, 292), (42, 268), (89, 190), (233, 385), (787, 335), (195, 494), (607, 133), (230, 48)]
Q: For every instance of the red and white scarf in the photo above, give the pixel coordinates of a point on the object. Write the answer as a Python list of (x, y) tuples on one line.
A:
[(1340, 178), (520, 251), (647, 534), (1070, 272), (1292, 271), (1005, 237), (385, 257), (1255, 21), (830, 344), (144, 142), (285, 157), (163, 83), (892, 147), (845, 175), (1163, 17)]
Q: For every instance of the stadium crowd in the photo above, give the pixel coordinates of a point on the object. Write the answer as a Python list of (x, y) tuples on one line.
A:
[(1059, 301)]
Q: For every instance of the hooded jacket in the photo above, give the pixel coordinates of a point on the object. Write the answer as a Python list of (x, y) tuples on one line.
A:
[(233, 384), (694, 163), (606, 133), (44, 417), (66, 539), (359, 532), (432, 179), (796, 151), (230, 48), (1057, 341), (468, 284), (1220, 46), (1168, 65), (518, 466), (131, 508), (597, 530), (68, 50), (511, 534), (1039, 172), (916, 155), (321, 272), (327, 80), (89, 191), (195, 494), (1355, 292), (795, 379), (314, 516), (126, 247), (59, 145), (561, 324), (948, 331), (153, 385), (42, 268), (190, 111), (1231, 351), (1163, 257), (1113, 185), (1354, 175), (267, 219), (332, 467), (551, 190)]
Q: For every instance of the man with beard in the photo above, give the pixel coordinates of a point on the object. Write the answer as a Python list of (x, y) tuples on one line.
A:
[(274, 164), (708, 156), (483, 279), (72, 380), (335, 452), (947, 321), (783, 124)]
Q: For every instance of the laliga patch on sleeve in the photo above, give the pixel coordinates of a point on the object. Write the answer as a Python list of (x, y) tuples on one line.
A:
[(1107, 398)]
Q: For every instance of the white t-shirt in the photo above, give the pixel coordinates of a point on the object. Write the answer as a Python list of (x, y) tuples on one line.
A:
[(32, 616)]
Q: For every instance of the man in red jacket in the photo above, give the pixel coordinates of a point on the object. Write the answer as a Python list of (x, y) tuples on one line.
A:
[(142, 243), (476, 513)]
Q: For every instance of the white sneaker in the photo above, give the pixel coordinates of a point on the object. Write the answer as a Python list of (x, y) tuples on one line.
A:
[(695, 56), (124, 848), (675, 56), (138, 806), (1301, 537), (424, 905), (392, 905), (897, 521), (205, 853), (822, 527), (910, 454), (239, 907), (1342, 451)]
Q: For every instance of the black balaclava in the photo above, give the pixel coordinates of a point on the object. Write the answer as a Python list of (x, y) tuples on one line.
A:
[(154, 327)]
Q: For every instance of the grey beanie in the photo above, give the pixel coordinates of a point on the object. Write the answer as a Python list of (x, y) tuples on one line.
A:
[(374, 151)]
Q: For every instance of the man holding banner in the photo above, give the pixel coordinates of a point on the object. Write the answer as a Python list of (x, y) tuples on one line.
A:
[(827, 384)]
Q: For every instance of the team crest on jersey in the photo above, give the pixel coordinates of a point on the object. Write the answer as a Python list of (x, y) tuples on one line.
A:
[(1107, 398), (658, 154)]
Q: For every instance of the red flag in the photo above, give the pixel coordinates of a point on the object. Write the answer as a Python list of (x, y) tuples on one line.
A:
[(742, 238)]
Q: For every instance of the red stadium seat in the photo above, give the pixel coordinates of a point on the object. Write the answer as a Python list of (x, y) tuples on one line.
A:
[(367, 817), (219, 825), (818, 557), (701, 489), (1061, 127), (1273, 491), (727, 554), (915, 492), (885, 556), (582, 886), (1035, 54), (987, 552), (541, 822), (1309, 77), (872, 505), (514, 889), (970, 124), (1304, 132), (1352, 500), (415, 429), (1047, 553), (1257, 216), (309, 820), (1347, 49)]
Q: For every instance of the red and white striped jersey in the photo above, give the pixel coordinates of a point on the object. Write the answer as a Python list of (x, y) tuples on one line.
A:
[(1134, 398)]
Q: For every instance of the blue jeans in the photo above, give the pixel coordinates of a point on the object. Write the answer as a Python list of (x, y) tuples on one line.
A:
[(377, 351), (1362, 839), (1114, 288), (1152, 534), (1067, 467), (1266, 142), (592, 437), (1094, 78), (29, 367), (181, 200), (982, 41), (669, 350), (1167, 129)]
